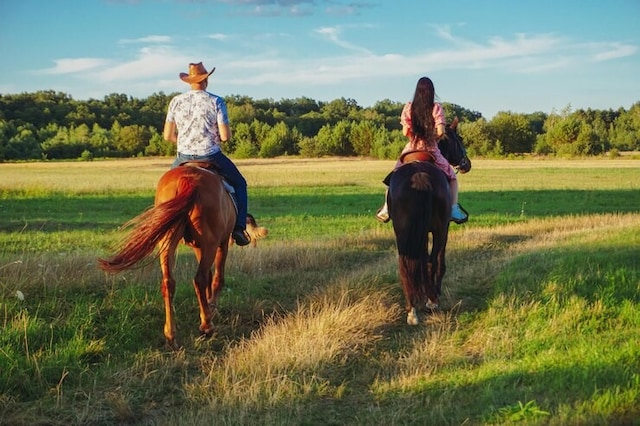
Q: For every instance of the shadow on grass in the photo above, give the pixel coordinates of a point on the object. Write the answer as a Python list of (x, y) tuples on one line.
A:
[(56, 213)]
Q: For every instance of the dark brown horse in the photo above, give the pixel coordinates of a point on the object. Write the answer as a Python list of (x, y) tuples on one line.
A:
[(191, 205), (420, 208)]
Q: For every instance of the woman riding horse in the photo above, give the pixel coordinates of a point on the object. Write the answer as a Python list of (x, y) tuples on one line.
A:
[(423, 198), (423, 123)]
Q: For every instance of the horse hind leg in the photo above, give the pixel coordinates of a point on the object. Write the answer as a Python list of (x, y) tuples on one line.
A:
[(217, 283), (431, 293), (202, 283), (437, 269), (168, 289), (432, 306), (409, 277)]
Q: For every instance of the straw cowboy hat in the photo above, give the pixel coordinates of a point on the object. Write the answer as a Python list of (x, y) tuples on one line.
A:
[(197, 73)]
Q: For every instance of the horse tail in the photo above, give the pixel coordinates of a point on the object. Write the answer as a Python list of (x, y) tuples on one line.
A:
[(422, 182), (423, 210), (150, 227), (411, 226)]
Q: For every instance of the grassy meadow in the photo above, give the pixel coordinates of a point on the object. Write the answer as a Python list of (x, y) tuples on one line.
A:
[(540, 318)]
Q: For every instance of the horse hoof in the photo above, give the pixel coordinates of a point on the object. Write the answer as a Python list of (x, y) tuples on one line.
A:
[(207, 334), (412, 317), (431, 306), (173, 345)]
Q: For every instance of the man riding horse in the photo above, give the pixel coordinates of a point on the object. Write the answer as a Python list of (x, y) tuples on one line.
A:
[(198, 123)]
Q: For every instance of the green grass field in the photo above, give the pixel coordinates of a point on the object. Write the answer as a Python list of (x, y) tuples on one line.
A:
[(540, 319)]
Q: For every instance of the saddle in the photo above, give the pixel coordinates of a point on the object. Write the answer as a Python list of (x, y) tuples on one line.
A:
[(413, 156), (203, 164), (215, 169)]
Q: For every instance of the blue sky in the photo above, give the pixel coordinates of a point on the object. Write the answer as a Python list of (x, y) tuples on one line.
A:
[(485, 55)]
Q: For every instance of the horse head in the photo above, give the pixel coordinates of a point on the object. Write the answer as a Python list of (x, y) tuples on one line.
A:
[(452, 148)]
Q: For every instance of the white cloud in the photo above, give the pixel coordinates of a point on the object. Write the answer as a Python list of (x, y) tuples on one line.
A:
[(243, 69), (614, 51), (333, 34), (74, 65), (343, 10), (147, 39), (518, 54), (218, 36), (445, 33), (294, 8), (150, 62)]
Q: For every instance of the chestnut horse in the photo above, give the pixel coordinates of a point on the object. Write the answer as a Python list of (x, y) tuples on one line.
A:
[(420, 209), (191, 205)]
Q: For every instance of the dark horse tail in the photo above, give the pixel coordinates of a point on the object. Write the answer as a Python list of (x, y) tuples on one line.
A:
[(417, 212), (416, 239), (150, 227)]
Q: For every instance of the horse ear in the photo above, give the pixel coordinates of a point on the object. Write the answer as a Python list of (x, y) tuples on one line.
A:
[(454, 123)]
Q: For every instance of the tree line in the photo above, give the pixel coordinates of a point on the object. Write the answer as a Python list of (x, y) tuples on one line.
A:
[(49, 125)]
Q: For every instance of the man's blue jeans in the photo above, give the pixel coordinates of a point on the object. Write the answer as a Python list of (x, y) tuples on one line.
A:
[(231, 175)]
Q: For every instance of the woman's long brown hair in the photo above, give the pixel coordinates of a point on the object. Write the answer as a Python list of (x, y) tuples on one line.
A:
[(422, 122)]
